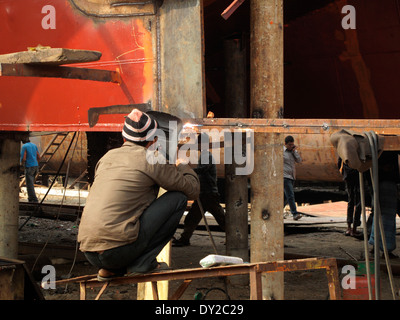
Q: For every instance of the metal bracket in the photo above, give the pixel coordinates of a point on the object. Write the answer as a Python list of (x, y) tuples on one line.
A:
[(29, 70)]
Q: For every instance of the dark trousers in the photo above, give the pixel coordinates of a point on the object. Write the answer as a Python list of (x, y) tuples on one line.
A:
[(353, 200), (210, 203), (158, 224), (288, 188), (30, 175), (388, 206)]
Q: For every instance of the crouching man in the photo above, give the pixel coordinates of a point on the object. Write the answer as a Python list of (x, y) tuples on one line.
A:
[(124, 225)]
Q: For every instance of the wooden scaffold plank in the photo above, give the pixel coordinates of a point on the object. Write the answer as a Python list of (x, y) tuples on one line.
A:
[(50, 56)]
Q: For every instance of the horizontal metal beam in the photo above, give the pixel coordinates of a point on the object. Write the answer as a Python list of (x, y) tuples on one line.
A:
[(27, 70), (182, 274), (301, 126), (389, 128), (253, 269)]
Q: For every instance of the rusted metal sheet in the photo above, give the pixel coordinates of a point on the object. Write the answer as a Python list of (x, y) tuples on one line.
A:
[(124, 36), (332, 72), (302, 126), (181, 45)]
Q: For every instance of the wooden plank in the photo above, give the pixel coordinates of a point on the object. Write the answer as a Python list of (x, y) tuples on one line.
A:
[(154, 290), (333, 282), (179, 292), (30, 70), (82, 290), (103, 288), (50, 56), (255, 285)]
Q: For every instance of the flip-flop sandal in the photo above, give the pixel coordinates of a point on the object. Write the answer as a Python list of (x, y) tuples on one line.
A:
[(162, 266), (348, 233)]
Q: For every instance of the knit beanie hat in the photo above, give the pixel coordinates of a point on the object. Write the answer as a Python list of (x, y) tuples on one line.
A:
[(139, 127)]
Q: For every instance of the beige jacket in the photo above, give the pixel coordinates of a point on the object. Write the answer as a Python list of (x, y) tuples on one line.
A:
[(125, 185)]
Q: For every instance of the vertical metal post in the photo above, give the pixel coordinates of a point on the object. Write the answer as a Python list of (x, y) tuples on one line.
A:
[(236, 193), (9, 195), (266, 101)]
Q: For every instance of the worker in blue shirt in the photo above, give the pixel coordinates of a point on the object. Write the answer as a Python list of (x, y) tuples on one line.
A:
[(30, 159)]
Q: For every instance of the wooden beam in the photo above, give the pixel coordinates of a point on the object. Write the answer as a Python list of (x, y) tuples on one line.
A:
[(236, 193), (9, 191), (28, 70), (50, 56), (266, 101)]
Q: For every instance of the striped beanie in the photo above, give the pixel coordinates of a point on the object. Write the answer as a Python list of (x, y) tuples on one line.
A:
[(139, 127)]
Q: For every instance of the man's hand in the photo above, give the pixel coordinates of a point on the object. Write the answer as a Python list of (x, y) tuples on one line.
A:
[(181, 161)]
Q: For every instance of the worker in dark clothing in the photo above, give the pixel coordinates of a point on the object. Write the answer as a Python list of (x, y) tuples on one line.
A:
[(352, 180), (389, 177), (209, 197)]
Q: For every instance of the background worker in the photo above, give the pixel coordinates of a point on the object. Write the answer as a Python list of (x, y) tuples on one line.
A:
[(352, 181), (290, 158), (389, 178), (30, 158), (124, 225), (209, 196)]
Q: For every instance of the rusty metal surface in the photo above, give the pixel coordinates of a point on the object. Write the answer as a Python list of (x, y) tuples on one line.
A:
[(181, 79), (312, 138), (48, 104), (254, 269), (302, 126), (331, 72)]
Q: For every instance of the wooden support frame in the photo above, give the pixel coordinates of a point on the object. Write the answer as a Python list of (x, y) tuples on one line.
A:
[(45, 71), (255, 270)]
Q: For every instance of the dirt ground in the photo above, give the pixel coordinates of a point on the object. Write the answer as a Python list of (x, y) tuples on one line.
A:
[(327, 240)]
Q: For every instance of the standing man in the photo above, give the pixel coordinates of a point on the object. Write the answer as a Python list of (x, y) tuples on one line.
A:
[(352, 182), (30, 157), (124, 225), (389, 178), (290, 158), (209, 196)]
